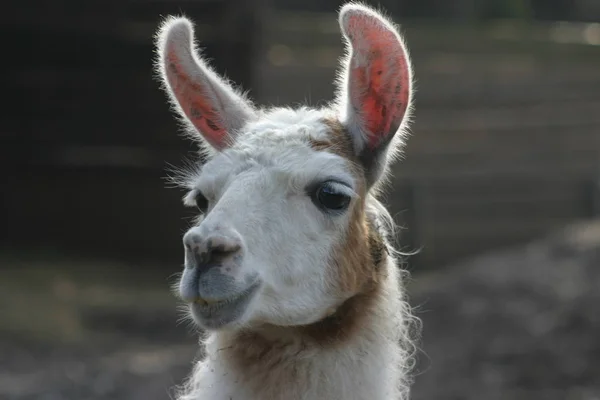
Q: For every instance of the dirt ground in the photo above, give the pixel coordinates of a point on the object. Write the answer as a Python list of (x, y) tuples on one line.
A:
[(521, 323)]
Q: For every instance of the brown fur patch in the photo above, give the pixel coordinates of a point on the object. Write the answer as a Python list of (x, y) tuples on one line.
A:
[(377, 246), (357, 259), (340, 143), (359, 263), (353, 258)]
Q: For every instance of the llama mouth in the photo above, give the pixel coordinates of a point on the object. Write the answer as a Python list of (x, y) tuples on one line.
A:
[(204, 302), (217, 314)]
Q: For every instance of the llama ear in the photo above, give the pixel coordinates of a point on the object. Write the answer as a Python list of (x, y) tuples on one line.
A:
[(200, 96), (374, 88)]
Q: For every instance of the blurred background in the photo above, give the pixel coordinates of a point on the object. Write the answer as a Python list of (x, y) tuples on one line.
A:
[(499, 189)]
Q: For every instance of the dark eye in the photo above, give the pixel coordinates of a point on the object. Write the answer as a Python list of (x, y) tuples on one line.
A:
[(201, 202), (328, 197)]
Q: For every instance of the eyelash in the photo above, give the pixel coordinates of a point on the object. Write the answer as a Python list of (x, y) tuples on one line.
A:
[(328, 197)]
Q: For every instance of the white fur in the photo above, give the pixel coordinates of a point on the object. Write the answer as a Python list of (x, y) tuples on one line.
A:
[(257, 190)]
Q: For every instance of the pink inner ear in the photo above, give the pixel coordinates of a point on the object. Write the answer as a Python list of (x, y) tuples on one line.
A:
[(379, 81), (195, 102)]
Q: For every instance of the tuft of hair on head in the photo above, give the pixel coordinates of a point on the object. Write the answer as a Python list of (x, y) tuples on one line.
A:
[(208, 106), (374, 88)]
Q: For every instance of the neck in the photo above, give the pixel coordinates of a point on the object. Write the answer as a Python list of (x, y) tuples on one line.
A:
[(355, 353)]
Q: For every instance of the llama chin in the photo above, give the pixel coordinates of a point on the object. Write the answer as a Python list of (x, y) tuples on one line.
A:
[(289, 268)]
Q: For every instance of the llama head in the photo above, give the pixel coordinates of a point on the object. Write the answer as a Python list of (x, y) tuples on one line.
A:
[(283, 237)]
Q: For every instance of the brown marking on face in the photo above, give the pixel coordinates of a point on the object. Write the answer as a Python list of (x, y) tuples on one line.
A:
[(319, 145), (377, 247), (361, 274), (340, 142), (352, 259), (357, 259)]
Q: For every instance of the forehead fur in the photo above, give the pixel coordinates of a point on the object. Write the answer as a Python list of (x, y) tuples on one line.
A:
[(303, 143), (286, 120)]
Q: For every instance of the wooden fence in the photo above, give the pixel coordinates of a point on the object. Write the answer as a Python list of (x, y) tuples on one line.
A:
[(506, 138)]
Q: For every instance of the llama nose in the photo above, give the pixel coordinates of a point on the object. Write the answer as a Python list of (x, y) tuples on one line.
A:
[(210, 251)]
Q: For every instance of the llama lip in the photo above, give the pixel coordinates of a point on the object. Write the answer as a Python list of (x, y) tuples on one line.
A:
[(204, 302), (217, 314), (208, 303)]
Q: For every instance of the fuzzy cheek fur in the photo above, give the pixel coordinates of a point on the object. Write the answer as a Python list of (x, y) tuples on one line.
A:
[(331, 301)]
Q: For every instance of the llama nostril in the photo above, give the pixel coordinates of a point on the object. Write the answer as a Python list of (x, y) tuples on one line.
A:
[(220, 252), (214, 252)]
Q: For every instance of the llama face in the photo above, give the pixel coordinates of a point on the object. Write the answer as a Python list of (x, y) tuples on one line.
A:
[(283, 206), (283, 237)]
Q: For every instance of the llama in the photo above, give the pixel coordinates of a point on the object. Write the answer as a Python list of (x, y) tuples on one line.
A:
[(289, 269)]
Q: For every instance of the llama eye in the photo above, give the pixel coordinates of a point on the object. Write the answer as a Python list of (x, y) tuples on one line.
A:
[(328, 197), (201, 202)]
